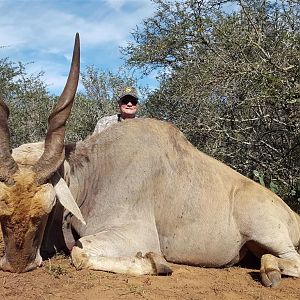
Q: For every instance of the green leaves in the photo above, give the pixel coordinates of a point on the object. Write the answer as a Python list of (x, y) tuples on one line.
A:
[(28, 101), (232, 85)]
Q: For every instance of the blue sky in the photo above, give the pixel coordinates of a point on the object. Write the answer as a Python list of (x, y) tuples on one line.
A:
[(42, 32)]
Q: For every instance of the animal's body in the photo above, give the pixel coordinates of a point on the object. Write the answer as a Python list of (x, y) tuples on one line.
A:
[(139, 194), (146, 187), (142, 187)]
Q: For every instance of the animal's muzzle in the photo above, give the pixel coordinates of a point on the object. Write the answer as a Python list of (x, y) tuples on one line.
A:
[(5, 265)]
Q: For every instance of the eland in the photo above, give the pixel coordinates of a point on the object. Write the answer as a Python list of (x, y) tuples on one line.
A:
[(133, 198)]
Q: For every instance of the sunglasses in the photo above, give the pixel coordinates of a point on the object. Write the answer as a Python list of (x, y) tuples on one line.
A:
[(126, 100)]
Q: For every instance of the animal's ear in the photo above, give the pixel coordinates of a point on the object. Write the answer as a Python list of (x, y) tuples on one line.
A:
[(5, 210), (67, 200), (43, 201)]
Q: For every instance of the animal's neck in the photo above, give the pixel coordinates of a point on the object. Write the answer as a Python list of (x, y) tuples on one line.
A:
[(81, 169)]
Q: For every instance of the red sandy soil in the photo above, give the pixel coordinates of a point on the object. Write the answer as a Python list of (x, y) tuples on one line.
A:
[(58, 279)]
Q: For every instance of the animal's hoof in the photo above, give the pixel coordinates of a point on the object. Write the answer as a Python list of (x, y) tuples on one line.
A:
[(159, 264), (269, 270), (79, 258), (270, 277)]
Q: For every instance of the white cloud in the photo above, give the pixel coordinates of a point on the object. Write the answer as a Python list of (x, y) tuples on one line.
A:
[(115, 4), (119, 4), (43, 23), (44, 31)]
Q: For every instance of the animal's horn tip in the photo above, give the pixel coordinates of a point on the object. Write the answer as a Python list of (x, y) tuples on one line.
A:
[(77, 42)]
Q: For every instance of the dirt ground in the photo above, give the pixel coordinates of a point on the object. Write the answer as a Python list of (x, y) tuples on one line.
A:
[(58, 279)]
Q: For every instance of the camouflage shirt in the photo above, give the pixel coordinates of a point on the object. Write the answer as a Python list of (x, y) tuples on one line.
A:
[(105, 122)]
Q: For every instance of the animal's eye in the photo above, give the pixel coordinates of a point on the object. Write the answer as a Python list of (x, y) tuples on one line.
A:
[(36, 220), (8, 228)]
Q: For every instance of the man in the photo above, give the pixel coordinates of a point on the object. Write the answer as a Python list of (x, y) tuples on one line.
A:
[(128, 105)]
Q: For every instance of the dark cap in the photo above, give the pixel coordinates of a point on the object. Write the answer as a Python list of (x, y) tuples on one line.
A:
[(128, 91)]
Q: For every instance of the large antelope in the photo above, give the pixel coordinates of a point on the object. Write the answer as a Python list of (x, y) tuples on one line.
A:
[(146, 196)]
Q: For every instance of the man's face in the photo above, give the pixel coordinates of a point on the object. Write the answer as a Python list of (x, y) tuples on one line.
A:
[(128, 107)]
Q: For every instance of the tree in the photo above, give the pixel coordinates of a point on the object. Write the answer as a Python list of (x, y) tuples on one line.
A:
[(230, 81), (28, 101), (30, 104)]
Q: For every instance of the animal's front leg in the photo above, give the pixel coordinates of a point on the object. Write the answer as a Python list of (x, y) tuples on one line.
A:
[(128, 249), (151, 263)]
